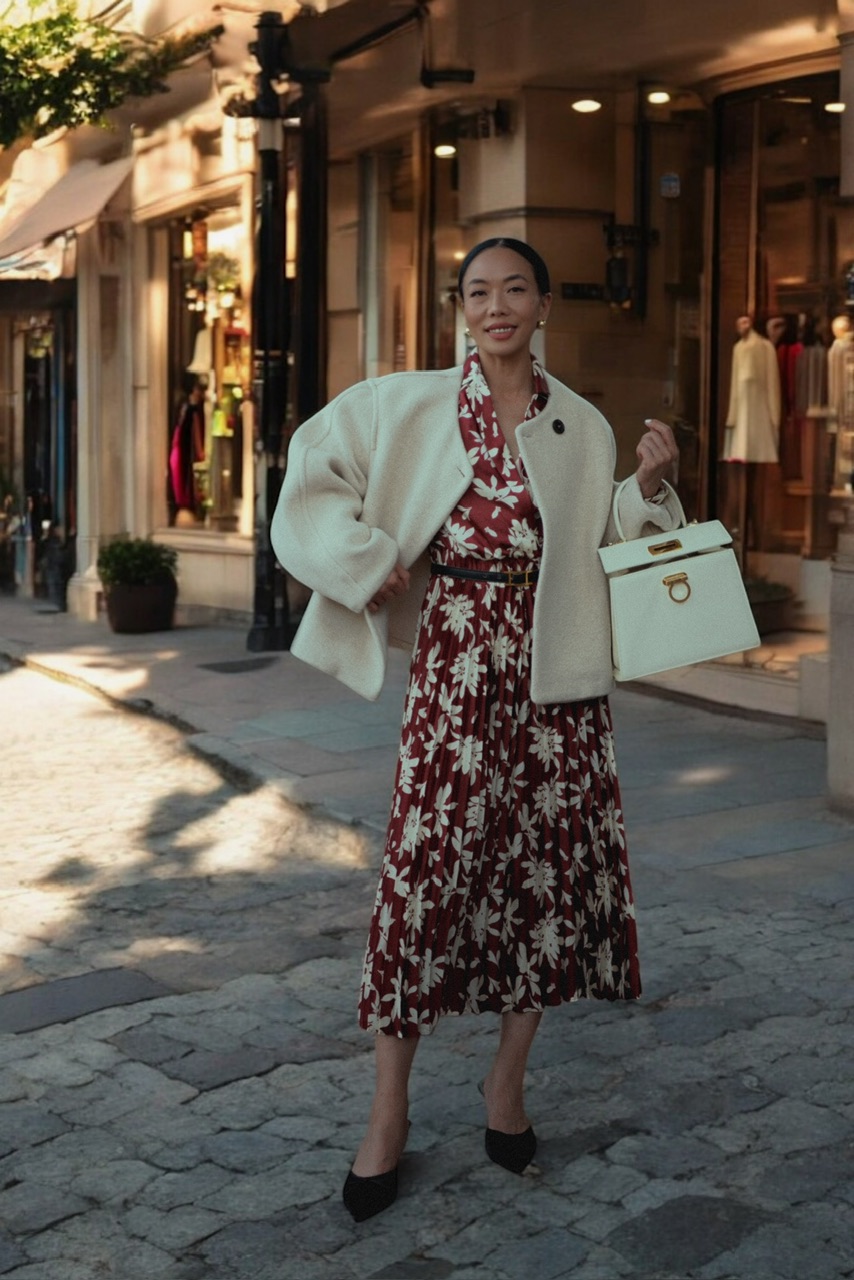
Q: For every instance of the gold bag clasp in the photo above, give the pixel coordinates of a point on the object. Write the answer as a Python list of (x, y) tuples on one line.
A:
[(676, 584), (661, 548)]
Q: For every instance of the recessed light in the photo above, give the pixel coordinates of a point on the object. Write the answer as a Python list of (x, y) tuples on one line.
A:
[(586, 105), (658, 97), (836, 107), (445, 151)]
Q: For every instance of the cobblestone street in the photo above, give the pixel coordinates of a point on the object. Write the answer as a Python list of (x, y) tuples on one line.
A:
[(183, 1085)]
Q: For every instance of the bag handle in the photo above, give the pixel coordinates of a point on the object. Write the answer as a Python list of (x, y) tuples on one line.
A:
[(683, 519)]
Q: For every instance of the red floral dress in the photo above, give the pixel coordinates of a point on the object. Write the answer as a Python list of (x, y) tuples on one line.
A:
[(505, 884)]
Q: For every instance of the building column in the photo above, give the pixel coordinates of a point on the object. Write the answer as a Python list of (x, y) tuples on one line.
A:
[(840, 721), (846, 93), (85, 585)]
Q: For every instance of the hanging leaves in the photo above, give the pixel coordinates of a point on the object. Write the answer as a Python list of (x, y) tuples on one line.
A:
[(60, 69)]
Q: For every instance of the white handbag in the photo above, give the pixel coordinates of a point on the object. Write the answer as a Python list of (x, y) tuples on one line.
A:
[(676, 598)]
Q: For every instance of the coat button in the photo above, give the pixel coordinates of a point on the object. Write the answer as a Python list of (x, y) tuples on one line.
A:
[(557, 427)]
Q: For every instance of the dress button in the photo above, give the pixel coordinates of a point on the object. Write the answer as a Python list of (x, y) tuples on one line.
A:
[(558, 427)]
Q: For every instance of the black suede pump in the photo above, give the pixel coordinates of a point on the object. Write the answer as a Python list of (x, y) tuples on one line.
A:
[(365, 1197), (513, 1151)]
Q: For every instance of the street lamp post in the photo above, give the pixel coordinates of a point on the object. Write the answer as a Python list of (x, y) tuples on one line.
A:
[(271, 625)]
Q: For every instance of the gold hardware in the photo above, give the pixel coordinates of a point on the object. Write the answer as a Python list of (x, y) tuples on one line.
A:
[(674, 581), (526, 576), (661, 548)]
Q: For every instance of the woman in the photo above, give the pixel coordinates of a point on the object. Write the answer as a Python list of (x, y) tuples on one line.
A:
[(477, 501)]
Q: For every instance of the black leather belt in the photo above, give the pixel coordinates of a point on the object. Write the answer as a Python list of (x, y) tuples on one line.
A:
[(508, 577)]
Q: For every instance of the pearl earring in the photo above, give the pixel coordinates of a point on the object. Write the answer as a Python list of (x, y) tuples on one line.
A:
[(541, 324), (467, 332)]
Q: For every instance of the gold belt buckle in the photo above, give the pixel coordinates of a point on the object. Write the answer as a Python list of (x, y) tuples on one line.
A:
[(523, 578)]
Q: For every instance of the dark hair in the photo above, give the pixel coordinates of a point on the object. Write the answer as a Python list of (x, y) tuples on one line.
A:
[(541, 271)]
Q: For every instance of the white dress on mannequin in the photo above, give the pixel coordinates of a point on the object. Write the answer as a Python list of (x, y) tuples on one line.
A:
[(754, 404), (839, 359)]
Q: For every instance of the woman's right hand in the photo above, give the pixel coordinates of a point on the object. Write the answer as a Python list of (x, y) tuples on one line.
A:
[(396, 584)]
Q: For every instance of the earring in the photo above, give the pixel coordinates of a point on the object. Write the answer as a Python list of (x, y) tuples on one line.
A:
[(467, 332), (541, 324)]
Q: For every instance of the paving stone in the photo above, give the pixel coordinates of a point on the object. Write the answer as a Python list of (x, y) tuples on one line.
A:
[(414, 1268), (244, 1152), (785, 1126), (54, 1068), (10, 1255), (176, 1229), (170, 1190), (665, 1157), (212, 1070), (95, 1245), (69, 998), (246, 1248), (130, 1087), (548, 1255), (245, 1104), (117, 1181), (785, 1252), (30, 1206), (23, 1126), (260, 1196), (145, 1044), (684, 1234)]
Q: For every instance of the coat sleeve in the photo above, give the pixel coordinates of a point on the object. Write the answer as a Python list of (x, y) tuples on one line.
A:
[(317, 530)]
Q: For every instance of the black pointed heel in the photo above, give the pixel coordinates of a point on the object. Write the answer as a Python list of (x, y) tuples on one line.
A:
[(366, 1197), (513, 1151)]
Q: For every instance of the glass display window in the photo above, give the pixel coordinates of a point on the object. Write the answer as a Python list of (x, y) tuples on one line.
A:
[(784, 264), (210, 370)]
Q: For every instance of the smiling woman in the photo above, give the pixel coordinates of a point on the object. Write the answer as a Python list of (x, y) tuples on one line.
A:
[(461, 511)]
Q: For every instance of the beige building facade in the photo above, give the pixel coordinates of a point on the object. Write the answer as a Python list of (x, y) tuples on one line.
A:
[(708, 180)]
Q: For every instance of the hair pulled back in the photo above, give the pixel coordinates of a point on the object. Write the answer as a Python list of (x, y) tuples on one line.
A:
[(541, 271)]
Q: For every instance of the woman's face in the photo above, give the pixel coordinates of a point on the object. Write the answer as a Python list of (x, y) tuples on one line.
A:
[(501, 302)]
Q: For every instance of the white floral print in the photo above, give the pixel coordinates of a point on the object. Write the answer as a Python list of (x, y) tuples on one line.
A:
[(505, 884)]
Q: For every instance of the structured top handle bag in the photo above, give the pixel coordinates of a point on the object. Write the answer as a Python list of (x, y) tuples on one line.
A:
[(676, 597)]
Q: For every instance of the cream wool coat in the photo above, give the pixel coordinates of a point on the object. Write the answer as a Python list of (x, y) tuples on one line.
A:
[(373, 476)]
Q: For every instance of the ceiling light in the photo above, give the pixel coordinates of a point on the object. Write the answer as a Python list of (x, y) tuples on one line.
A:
[(445, 150), (586, 105), (836, 107), (658, 97)]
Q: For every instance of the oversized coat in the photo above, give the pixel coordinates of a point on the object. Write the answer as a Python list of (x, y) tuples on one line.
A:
[(372, 477)]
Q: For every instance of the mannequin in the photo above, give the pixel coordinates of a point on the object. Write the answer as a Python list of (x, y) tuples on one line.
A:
[(753, 418), (810, 372), (187, 448), (839, 359)]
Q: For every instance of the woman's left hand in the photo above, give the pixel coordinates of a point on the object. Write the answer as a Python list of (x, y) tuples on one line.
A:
[(656, 453)]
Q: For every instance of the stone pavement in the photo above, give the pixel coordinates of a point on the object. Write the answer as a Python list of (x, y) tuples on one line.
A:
[(182, 1083)]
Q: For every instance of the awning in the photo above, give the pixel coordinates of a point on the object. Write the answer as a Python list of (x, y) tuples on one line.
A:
[(77, 198)]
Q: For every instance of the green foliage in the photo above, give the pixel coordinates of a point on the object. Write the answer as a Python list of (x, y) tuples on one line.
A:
[(135, 561), (60, 69)]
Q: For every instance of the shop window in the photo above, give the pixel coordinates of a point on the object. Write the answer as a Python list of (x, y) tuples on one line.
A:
[(210, 371), (785, 252)]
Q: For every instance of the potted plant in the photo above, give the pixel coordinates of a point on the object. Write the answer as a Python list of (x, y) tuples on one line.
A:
[(139, 582), (771, 603)]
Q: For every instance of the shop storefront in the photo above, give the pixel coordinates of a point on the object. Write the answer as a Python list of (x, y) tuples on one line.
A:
[(194, 405), (784, 295)]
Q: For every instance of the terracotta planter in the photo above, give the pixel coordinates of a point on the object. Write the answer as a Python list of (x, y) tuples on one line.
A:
[(148, 607)]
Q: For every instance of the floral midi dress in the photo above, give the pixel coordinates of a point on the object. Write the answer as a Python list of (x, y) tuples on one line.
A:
[(505, 883)]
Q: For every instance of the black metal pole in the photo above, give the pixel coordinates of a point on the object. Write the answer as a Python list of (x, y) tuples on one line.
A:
[(310, 337), (271, 626)]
